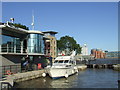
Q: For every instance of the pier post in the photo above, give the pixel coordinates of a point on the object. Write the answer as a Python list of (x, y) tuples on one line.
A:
[(105, 65), (99, 66), (94, 65)]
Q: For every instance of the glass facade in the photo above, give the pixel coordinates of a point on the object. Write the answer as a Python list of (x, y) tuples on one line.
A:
[(113, 54), (35, 43), (10, 44)]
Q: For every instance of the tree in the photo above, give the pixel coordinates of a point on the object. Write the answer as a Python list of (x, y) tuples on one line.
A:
[(69, 44), (21, 26)]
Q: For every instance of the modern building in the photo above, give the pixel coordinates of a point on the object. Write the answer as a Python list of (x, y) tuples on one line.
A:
[(51, 44), (84, 50), (17, 44), (84, 57), (113, 54), (98, 53)]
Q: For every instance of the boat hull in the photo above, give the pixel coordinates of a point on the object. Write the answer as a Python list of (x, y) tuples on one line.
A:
[(57, 73)]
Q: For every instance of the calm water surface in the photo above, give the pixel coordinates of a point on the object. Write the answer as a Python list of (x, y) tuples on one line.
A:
[(89, 78)]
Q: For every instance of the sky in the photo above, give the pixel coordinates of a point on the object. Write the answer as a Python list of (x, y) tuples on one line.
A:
[(93, 23)]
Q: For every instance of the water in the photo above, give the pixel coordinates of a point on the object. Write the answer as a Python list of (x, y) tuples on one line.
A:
[(89, 78)]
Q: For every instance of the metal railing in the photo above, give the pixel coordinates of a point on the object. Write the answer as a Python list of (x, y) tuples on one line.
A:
[(12, 50), (10, 69), (6, 86)]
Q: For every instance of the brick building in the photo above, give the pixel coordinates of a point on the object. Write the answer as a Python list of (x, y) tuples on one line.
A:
[(51, 44), (98, 53)]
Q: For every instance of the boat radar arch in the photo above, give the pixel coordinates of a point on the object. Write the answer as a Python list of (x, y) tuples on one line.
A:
[(73, 53)]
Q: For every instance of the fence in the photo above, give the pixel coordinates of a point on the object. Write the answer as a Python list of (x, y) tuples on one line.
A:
[(31, 67), (105, 61), (6, 86), (10, 69)]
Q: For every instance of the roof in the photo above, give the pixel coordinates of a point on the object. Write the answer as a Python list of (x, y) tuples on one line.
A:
[(53, 32), (13, 28), (16, 32), (1, 23), (37, 32), (12, 31), (46, 38)]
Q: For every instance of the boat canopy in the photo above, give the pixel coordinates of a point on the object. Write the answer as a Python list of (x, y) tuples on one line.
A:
[(63, 58), (61, 61)]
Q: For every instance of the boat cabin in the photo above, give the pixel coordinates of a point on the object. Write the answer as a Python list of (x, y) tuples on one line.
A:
[(64, 60)]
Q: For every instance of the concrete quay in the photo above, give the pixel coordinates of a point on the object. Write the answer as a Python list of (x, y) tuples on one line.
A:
[(81, 67), (10, 79)]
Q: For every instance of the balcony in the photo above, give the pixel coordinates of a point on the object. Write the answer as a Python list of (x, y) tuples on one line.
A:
[(14, 51)]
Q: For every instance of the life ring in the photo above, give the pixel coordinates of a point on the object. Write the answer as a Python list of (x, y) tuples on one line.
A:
[(8, 72)]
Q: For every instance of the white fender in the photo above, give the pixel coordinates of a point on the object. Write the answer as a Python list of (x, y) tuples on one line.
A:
[(72, 71), (44, 74), (66, 75), (77, 70)]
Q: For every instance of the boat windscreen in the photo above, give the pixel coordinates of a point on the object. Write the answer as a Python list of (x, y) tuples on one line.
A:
[(61, 61), (66, 61), (56, 61)]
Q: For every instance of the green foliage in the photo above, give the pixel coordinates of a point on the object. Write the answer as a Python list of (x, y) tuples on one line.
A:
[(21, 26), (68, 43)]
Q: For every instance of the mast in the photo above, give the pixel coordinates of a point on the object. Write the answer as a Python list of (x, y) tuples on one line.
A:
[(32, 20)]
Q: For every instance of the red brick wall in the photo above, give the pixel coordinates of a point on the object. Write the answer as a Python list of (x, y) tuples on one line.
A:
[(97, 54)]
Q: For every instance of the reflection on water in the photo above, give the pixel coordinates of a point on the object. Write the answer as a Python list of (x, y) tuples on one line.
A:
[(90, 78)]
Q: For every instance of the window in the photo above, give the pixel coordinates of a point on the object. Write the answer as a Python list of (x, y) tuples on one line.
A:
[(56, 61), (61, 61), (35, 43), (71, 62), (66, 61), (11, 44)]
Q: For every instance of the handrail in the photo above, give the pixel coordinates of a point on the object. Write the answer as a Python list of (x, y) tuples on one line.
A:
[(11, 50), (6, 85), (12, 68)]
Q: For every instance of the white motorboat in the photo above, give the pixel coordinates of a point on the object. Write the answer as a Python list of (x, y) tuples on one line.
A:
[(63, 66)]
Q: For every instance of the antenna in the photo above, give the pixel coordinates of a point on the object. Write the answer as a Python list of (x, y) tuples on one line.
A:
[(32, 20)]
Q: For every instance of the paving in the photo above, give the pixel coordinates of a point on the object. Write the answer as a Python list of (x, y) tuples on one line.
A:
[(18, 77)]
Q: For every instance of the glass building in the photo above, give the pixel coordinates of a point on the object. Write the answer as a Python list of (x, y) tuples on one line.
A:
[(17, 44), (113, 54), (10, 44), (32, 43), (35, 43)]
